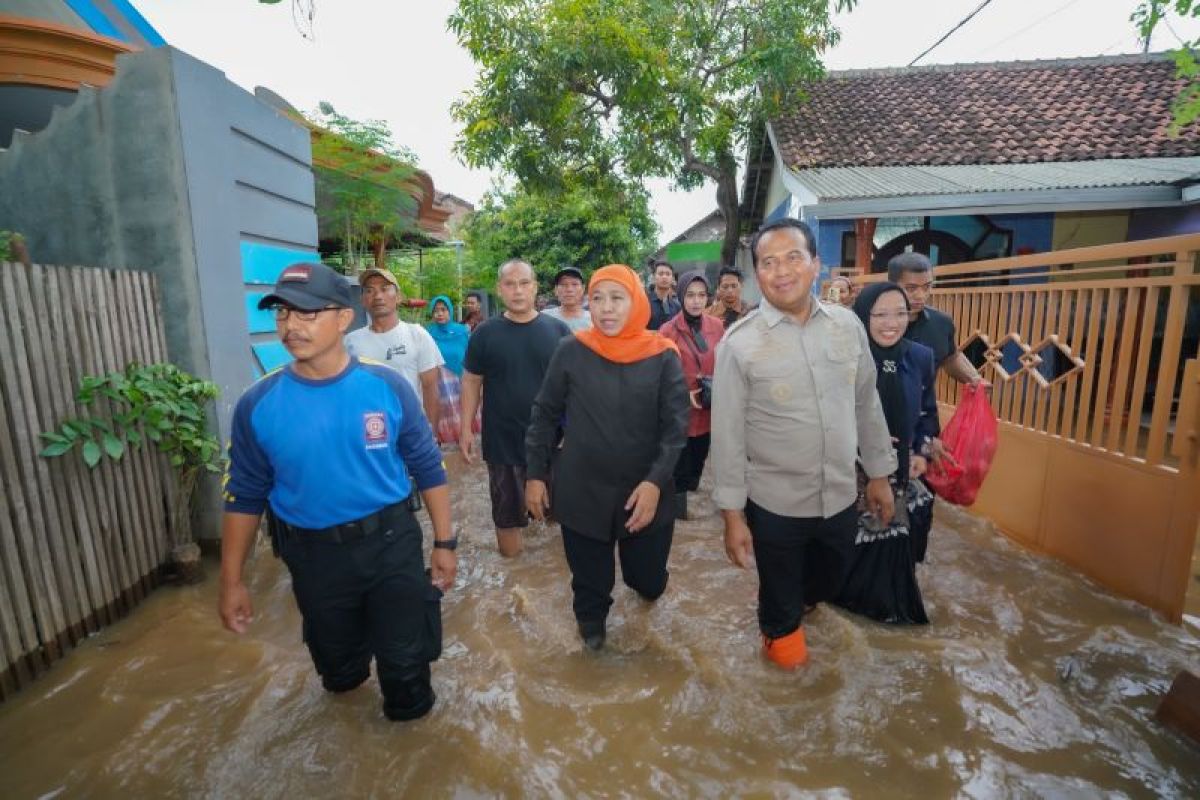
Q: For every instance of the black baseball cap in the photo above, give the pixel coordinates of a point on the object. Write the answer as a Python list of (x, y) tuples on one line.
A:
[(309, 286), (573, 272)]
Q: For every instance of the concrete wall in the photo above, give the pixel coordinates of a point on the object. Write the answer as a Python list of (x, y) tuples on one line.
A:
[(104, 185), (252, 202), (173, 169)]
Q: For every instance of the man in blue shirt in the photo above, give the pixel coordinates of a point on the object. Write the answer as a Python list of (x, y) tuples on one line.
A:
[(328, 443)]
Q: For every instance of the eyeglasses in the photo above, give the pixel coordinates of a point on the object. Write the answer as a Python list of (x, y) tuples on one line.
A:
[(283, 312), (884, 316)]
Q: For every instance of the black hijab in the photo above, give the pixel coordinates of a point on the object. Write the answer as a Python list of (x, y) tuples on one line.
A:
[(887, 373), (694, 322)]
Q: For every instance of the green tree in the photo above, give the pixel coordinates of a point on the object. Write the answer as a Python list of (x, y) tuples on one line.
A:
[(1148, 16), (364, 184), (646, 88), (582, 225)]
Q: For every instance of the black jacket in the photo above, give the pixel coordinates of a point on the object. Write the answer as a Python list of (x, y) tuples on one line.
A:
[(624, 424), (662, 311)]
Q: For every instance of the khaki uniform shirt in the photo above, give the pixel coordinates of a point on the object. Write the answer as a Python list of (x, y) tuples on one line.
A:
[(793, 406)]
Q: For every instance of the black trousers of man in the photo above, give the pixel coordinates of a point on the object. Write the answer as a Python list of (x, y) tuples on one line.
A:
[(363, 592), (801, 561), (643, 558)]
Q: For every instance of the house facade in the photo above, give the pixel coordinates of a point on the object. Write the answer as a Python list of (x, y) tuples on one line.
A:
[(980, 161)]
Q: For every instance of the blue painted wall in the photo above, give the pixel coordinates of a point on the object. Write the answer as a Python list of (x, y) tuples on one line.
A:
[(1151, 223)]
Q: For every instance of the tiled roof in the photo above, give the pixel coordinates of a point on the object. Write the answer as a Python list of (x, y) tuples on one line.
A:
[(1013, 113)]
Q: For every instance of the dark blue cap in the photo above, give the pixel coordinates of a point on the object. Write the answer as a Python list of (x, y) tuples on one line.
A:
[(309, 286)]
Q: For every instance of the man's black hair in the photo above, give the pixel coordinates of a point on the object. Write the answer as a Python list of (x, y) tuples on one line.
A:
[(781, 224), (476, 294), (907, 262), (734, 271), (661, 262)]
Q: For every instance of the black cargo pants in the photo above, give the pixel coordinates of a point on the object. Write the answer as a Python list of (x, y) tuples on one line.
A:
[(362, 592)]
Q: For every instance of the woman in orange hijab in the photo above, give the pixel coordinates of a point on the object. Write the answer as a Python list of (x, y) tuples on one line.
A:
[(621, 391)]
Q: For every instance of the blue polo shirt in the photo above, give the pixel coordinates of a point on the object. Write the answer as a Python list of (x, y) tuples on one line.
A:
[(325, 452)]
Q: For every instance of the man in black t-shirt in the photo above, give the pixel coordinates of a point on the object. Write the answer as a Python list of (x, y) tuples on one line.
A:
[(930, 327), (935, 330), (507, 355)]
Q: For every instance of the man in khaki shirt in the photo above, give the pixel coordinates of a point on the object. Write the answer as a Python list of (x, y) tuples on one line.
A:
[(794, 405)]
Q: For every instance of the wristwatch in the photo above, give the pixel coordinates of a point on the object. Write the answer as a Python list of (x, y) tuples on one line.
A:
[(446, 544)]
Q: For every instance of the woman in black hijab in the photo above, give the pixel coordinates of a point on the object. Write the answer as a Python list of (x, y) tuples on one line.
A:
[(882, 582)]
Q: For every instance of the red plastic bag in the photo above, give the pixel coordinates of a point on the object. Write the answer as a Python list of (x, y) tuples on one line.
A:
[(970, 442)]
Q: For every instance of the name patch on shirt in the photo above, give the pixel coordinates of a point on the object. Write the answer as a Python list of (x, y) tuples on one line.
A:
[(375, 432)]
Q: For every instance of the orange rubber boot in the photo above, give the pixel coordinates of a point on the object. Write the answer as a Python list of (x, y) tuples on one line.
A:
[(787, 652)]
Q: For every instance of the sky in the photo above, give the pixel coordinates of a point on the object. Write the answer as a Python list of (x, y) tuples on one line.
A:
[(396, 61)]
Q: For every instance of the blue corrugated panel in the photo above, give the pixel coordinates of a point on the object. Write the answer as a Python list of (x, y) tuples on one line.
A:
[(262, 263), (261, 321), (271, 355), (95, 19), (780, 211), (139, 22)]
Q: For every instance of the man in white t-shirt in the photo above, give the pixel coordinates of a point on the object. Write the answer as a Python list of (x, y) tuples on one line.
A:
[(406, 348), (568, 288)]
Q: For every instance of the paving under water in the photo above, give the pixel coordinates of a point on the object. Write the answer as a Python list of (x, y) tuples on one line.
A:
[(1030, 681)]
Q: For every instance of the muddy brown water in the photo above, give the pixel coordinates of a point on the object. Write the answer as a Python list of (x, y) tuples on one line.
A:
[(1030, 681)]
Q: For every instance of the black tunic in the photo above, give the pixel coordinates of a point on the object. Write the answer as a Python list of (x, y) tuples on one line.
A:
[(624, 424)]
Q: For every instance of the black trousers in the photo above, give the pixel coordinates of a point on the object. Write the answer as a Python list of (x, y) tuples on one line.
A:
[(800, 560), (369, 597), (643, 559), (690, 465)]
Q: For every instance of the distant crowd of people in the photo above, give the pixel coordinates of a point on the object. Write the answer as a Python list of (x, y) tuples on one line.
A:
[(599, 413)]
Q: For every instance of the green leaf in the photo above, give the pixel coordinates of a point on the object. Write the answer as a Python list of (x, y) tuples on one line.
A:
[(77, 427), (113, 446), (91, 453), (56, 449)]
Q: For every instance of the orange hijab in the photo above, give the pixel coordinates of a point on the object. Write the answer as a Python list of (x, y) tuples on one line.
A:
[(634, 342)]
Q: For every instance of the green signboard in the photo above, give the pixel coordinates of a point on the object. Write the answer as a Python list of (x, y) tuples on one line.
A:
[(694, 251)]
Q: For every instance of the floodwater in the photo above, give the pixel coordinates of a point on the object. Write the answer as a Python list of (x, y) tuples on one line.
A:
[(1029, 682)]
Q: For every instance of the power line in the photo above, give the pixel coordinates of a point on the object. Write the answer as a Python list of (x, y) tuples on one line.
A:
[(1124, 38), (1182, 43), (965, 20), (1030, 26)]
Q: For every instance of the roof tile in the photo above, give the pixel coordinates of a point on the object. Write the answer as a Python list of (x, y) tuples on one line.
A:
[(1012, 113)]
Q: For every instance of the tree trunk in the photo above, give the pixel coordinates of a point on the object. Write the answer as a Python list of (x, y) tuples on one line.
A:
[(727, 202), (185, 553)]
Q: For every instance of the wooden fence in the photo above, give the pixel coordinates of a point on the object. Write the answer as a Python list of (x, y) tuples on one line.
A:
[(79, 547), (1092, 353)]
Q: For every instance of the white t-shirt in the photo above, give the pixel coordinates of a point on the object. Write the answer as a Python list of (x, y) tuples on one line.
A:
[(407, 348), (574, 323)]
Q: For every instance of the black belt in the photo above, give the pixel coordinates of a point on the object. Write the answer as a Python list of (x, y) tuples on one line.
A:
[(351, 531)]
